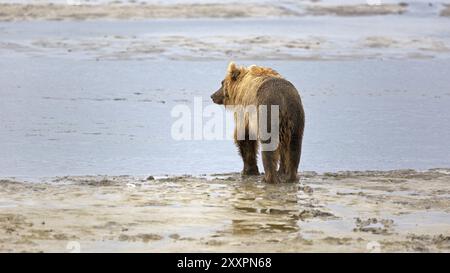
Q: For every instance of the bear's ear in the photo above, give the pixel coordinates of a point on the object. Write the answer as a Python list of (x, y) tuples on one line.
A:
[(233, 71), (231, 67)]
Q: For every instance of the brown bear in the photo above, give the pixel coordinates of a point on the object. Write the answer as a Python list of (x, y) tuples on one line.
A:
[(263, 87)]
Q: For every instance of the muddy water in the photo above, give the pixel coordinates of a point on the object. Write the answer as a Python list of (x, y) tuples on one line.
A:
[(346, 211)]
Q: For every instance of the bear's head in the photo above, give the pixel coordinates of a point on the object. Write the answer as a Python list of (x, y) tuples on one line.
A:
[(222, 95), (241, 84)]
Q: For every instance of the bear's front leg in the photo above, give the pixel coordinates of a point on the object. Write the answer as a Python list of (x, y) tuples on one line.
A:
[(248, 150)]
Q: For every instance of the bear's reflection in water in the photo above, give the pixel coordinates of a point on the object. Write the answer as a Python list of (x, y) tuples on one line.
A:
[(270, 208)]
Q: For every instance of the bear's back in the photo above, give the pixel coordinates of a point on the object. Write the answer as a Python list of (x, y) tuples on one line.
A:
[(277, 88)]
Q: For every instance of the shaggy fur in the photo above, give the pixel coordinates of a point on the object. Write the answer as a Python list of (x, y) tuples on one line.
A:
[(255, 85)]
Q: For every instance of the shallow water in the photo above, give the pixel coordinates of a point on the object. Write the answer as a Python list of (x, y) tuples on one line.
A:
[(62, 116), (66, 110)]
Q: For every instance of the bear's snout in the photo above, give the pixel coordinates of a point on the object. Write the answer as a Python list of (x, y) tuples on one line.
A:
[(217, 97)]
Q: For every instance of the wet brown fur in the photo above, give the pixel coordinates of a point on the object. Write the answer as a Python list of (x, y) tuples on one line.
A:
[(257, 85)]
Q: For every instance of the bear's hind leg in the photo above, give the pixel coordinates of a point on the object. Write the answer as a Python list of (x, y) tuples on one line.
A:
[(283, 149), (270, 162), (248, 150), (282, 169), (295, 150)]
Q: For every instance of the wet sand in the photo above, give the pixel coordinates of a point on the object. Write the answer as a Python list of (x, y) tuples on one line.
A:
[(127, 11), (391, 211), (14, 12), (358, 10), (254, 47), (446, 11)]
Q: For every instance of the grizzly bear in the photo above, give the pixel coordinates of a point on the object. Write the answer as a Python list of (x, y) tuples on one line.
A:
[(264, 88)]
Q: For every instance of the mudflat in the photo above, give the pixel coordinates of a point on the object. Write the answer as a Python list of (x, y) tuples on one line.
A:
[(400, 210)]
